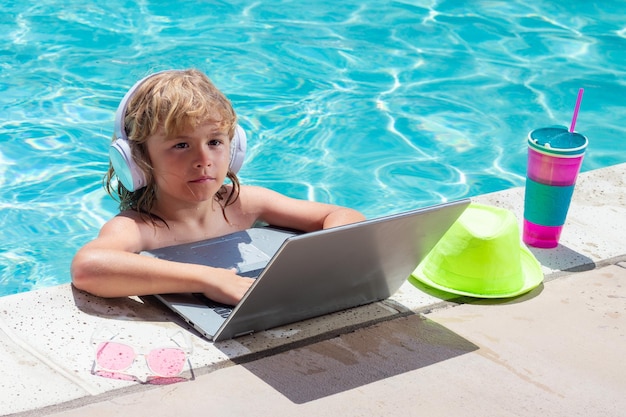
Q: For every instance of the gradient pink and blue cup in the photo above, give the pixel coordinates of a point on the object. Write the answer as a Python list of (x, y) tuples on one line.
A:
[(555, 156)]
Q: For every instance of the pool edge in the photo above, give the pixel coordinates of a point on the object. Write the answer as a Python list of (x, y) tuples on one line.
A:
[(45, 333)]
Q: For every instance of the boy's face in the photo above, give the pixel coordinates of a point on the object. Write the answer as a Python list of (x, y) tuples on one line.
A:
[(190, 166)]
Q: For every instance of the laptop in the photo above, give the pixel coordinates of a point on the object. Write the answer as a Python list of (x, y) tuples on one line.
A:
[(304, 275)]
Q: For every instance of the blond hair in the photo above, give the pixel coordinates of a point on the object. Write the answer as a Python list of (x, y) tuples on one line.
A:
[(172, 101)]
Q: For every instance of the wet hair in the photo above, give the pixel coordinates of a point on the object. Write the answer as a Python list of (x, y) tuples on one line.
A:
[(172, 101)]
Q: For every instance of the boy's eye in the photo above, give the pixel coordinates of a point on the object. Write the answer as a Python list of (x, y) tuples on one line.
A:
[(181, 145), (215, 142)]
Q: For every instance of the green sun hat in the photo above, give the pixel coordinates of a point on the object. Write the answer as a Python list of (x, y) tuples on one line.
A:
[(481, 255)]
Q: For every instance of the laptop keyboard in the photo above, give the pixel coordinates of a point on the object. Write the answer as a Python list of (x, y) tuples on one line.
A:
[(223, 310)]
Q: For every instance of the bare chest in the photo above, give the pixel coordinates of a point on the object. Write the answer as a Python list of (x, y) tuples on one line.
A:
[(176, 233)]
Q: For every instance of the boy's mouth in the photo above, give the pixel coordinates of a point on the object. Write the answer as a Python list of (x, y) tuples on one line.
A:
[(203, 179)]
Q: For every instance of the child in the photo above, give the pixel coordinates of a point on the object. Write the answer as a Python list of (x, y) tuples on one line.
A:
[(177, 129)]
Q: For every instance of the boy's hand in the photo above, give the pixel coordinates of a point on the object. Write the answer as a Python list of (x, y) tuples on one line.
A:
[(232, 288)]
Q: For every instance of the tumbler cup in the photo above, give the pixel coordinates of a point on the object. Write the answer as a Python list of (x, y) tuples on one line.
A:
[(554, 159)]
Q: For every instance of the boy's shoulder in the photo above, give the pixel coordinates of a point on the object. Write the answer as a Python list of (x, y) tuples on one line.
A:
[(127, 215), (255, 194), (143, 231), (130, 218), (255, 190)]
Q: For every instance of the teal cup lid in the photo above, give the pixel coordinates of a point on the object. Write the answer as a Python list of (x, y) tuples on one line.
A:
[(557, 141)]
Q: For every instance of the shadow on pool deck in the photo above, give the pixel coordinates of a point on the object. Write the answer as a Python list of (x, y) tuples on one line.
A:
[(359, 358)]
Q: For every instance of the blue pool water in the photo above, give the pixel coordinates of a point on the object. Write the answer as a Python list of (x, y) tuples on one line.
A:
[(382, 106)]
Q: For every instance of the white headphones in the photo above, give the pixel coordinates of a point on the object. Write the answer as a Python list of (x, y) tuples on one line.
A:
[(131, 176)]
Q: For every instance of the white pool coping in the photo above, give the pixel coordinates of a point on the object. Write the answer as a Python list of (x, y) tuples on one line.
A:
[(45, 349)]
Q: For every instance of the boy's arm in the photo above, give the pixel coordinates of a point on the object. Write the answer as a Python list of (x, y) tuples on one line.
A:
[(109, 266), (280, 210)]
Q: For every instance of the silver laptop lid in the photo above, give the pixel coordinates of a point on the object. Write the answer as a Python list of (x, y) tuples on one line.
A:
[(330, 270)]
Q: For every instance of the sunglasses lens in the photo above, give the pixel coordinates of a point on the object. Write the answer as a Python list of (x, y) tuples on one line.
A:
[(166, 361), (114, 356)]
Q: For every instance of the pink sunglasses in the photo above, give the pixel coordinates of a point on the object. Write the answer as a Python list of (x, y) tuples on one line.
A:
[(114, 358)]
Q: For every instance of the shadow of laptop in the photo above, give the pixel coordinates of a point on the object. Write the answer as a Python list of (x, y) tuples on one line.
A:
[(359, 358)]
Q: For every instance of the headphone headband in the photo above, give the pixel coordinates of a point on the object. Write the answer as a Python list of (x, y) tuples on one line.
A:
[(120, 114), (120, 154)]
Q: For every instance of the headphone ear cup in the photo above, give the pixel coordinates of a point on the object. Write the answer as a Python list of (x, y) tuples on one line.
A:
[(238, 149), (125, 168)]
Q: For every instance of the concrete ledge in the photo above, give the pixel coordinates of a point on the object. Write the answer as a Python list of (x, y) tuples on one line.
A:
[(47, 356)]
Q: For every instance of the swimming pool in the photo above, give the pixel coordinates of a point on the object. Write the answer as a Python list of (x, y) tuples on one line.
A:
[(382, 107)]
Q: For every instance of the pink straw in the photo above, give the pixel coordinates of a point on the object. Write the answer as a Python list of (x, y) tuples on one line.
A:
[(578, 100)]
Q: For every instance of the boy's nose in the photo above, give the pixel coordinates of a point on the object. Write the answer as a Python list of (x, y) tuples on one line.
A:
[(204, 158)]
